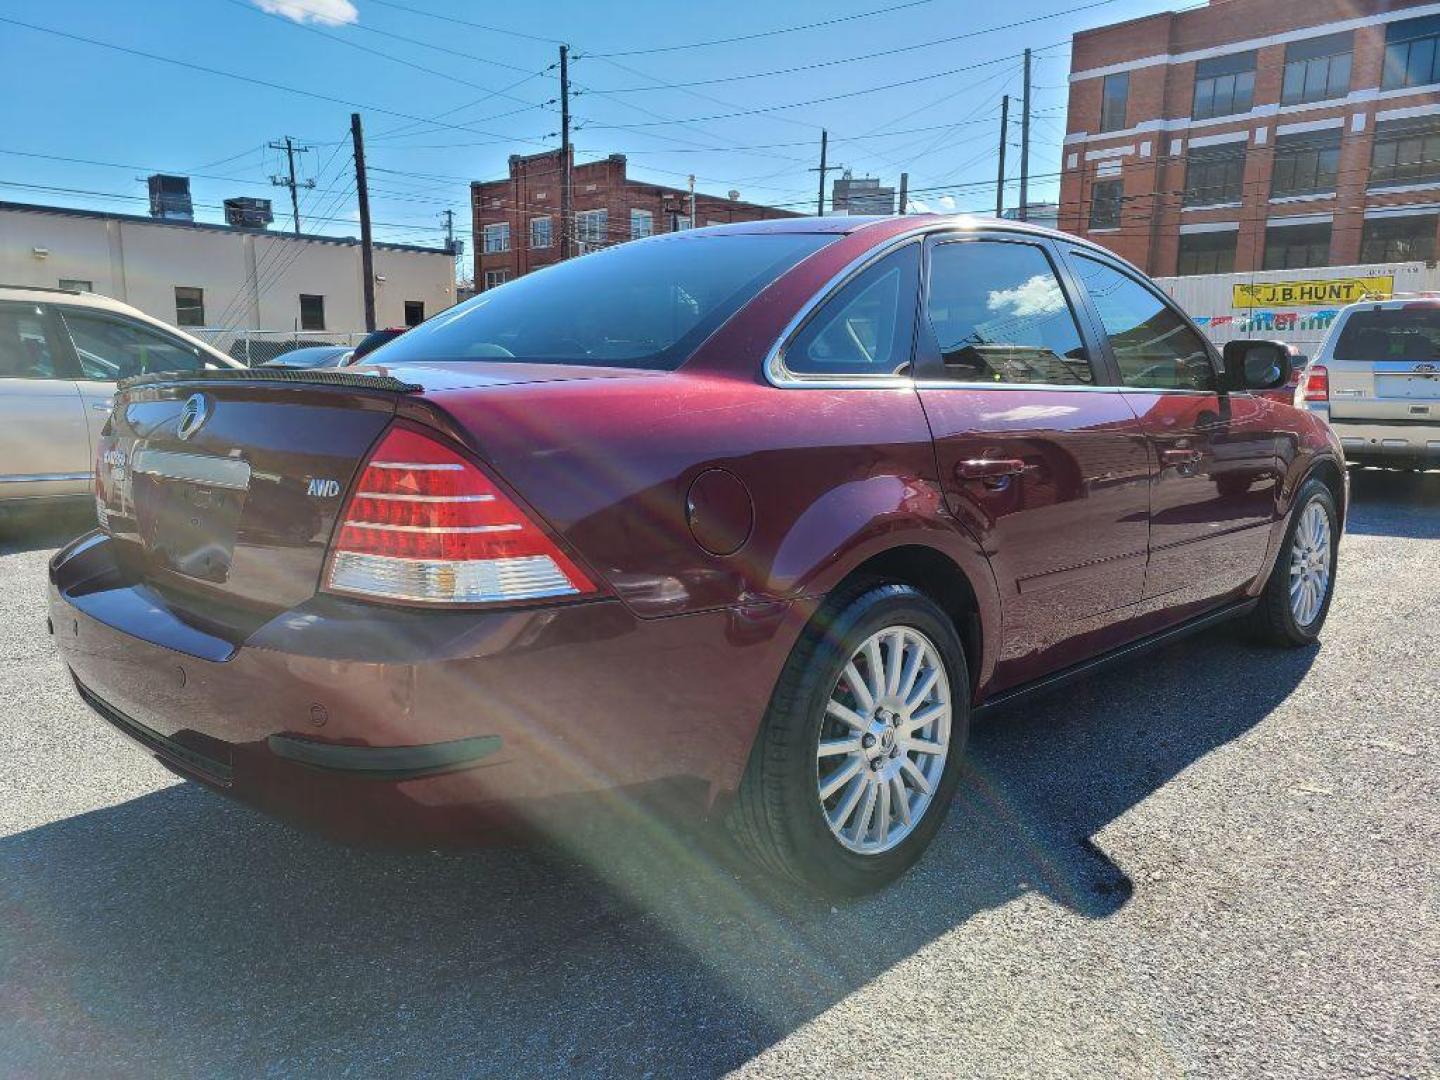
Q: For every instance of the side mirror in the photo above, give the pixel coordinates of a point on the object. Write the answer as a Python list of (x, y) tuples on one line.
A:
[(1257, 365)]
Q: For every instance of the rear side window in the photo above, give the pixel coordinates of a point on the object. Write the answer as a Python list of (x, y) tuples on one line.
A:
[(647, 304), (1154, 347), (1390, 334), (110, 348), (999, 315), (26, 351), (868, 327)]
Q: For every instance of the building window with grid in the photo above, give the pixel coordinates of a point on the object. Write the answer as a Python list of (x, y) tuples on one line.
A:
[(1295, 247), (496, 277), (1224, 85), (1317, 69), (540, 232), (1107, 198), (642, 224), (1406, 152), (1114, 97), (1412, 57), (497, 238), (1406, 238), (592, 227), (1305, 164), (189, 306), (1214, 175), (1207, 252), (77, 284), (312, 312)]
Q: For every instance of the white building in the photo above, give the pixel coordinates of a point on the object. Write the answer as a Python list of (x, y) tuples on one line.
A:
[(215, 277)]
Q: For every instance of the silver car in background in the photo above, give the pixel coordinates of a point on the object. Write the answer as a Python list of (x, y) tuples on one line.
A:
[(1376, 379)]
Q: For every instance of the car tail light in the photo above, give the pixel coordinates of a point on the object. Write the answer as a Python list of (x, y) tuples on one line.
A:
[(426, 524), (1317, 383)]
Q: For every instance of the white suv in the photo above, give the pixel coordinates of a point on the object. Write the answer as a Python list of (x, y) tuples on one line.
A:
[(61, 353), (1376, 379)]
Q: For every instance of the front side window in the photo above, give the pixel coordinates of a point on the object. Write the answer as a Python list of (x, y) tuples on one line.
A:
[(1224, 85), (312, 312), (1305, 164), (1295, 247), (1409, 238), (592, 227), (1214, 175), (1411, 54), (1107, 198), (26, 351), (1207, 252), (865, 329), (1317, 69), (628, 305), (1405, 152), (1154, 347), (1000, 316), (1114, 97), (642, 224), (497, 238), (189, 306), (540, 235), (112, 348)]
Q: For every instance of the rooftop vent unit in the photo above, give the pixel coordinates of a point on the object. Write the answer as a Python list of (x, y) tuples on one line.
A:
[(244, 212), (170, 198)]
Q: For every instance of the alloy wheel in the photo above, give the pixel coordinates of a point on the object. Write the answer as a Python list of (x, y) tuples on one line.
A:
[(1310, 564), (884, 740)]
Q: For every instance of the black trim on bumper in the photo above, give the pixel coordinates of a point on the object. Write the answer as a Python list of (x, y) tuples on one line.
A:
[(182, 756), (385, 762)]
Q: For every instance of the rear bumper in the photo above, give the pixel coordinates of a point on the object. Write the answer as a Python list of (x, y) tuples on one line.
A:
[(1362, 439), (390, 726)]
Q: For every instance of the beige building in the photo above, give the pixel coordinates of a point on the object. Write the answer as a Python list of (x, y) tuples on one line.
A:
[(215, 277)]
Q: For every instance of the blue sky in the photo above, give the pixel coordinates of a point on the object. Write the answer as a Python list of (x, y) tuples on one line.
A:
[(483, 74)]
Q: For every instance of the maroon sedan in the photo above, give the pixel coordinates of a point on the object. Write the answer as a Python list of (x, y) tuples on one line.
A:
[(746, 522)]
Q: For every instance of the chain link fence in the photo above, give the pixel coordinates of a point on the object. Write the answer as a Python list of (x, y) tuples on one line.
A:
[(255, 347)]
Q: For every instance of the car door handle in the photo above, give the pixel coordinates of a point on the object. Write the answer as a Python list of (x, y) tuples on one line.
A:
[(1180, 458), (993, 472)]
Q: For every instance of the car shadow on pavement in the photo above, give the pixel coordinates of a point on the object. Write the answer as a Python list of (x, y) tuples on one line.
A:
[(179, 933), (40, 529), (1392, 503)]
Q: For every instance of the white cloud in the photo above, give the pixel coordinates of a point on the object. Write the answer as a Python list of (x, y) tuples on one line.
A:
[(1038, 296), (324, 12), (918, 206), (947, 203)]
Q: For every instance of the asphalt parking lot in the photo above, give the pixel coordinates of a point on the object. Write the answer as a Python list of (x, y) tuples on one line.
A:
[(1221, 861)]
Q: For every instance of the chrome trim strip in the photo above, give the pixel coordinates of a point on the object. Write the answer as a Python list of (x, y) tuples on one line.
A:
[(231, 473), (27, 478), (389, 497), (415, 466), (447, 529)]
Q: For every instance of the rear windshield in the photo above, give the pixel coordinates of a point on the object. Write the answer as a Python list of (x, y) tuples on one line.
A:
[(1390, 334), (641, 305)]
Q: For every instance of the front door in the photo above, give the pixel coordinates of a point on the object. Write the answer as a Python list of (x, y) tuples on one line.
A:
[(1215, 490), (44, 446), (1042, 461)]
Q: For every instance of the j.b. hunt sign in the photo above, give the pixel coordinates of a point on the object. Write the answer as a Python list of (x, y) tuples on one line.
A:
[(1318, 293)]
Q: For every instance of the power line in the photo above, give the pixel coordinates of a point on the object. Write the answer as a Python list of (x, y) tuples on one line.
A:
[(466, 22)]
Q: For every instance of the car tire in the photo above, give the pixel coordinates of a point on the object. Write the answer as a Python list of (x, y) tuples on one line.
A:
[(1295, 602), (781, 816)]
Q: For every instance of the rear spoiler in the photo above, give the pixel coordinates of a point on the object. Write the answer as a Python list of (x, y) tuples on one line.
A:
[(355, 379)]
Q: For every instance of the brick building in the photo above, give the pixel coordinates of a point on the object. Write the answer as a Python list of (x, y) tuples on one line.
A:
[(517, 220), (1253, 134)]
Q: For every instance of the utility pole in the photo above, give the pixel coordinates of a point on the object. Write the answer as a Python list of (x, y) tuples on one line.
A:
[(823, 170), (566, 225), (1004, 138), (904, 192), (288, 145), (449, 216), (367, 250), (692, 200), (1025, 147)]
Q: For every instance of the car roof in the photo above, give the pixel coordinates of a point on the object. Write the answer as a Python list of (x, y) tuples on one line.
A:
[(843, 224)]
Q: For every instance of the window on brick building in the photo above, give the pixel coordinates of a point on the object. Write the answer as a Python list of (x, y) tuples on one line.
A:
[(1317, 69), (496, 277), (1214, 174), (1412, 53), (679, 222), (1406, 152), (642, 224), (1207, 252), (592, 227), (540, 235), (1107, 198), (1113, 99), (1295, 247), (497, 238), (1406, 238), (1224, 85), (1305, 164)]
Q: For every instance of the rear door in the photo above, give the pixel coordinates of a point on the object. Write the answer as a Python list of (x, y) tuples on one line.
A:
[(1038, 457), (44, 446), (1385, 366), (1215, 490)]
